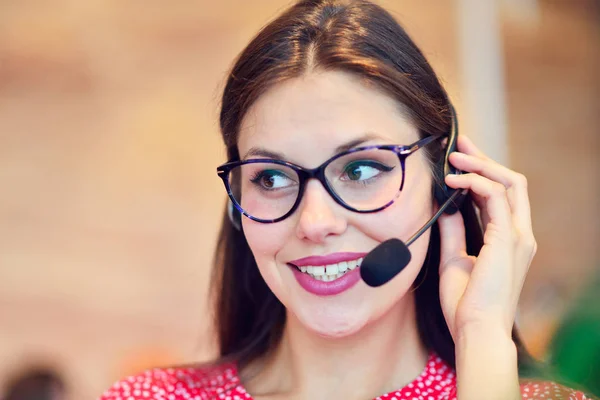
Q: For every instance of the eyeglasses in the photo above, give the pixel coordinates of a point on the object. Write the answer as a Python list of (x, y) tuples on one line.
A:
[(364, 180)]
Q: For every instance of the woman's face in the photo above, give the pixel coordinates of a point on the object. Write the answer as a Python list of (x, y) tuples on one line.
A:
[(305, 120)]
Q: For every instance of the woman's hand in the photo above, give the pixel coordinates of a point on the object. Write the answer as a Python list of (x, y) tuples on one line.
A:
[(482, 292), (479, 295)]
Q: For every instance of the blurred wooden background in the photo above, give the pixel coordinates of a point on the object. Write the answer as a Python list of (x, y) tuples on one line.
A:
[(109, 201)]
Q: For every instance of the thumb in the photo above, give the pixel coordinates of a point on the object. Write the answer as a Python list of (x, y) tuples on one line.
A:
[(453, 244), (455, 266)]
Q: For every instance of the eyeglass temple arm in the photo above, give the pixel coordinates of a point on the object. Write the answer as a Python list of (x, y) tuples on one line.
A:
[(421, 143)]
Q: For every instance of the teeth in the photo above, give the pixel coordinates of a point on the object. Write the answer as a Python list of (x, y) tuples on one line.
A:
[(331, 272), (331, 269), (343, 266)]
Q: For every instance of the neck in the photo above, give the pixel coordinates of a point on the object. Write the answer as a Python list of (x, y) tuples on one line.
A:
[(382, 357)]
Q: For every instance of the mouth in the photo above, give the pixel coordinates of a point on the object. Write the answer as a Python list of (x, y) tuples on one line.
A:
[(329, 272)]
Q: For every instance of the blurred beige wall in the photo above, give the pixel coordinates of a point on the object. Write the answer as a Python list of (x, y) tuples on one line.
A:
[(110, 204), (553, 96)]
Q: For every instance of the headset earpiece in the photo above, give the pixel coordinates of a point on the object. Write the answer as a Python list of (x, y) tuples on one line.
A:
[(441, 191), (235, 216)]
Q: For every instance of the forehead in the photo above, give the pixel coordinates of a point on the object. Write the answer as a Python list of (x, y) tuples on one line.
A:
[(307, 118)]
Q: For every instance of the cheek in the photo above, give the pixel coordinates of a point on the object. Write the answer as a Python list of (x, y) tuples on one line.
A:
[(265, 240), (402, 219)]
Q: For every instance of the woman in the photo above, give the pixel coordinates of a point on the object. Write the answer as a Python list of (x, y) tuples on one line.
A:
[(325, 115)]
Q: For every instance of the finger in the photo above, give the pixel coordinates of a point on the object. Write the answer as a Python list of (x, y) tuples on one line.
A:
[(454, 281), (515, 183), (466, 145), (486, 167), (494, 200), (499, 234), (452, 237)]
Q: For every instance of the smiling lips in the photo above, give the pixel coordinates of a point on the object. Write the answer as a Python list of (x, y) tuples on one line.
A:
[(328, 275)]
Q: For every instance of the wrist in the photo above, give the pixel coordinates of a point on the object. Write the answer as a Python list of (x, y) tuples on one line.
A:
[(482, 332), (486, 364), (494, 345)]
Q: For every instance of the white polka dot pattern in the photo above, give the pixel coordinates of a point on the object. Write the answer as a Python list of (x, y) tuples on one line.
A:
[(549, 390), (436, 382)]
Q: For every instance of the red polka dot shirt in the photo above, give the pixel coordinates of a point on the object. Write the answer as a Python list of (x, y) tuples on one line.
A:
[(436, 382)]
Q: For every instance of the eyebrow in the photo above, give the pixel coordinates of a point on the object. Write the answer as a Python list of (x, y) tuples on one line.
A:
[(262, 152)]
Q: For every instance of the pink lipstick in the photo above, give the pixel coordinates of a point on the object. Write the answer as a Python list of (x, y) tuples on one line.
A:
[(337, 283)]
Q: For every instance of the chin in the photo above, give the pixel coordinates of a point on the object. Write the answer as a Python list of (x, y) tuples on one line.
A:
[(333, 324)]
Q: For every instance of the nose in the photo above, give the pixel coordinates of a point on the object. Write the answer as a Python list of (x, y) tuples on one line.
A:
[(318, 219)]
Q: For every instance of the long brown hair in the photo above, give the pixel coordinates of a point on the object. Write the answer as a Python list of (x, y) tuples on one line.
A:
[(363, 39)]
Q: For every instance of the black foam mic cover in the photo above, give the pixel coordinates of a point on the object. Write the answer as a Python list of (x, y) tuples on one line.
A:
[(384, 262)]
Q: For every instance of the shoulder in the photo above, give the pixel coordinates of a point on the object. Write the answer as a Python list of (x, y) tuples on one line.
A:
[(550, 390), (543, 390), (176, 383)]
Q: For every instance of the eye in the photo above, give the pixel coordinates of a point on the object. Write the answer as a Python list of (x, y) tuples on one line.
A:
[(272, 180), (363, 170)]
